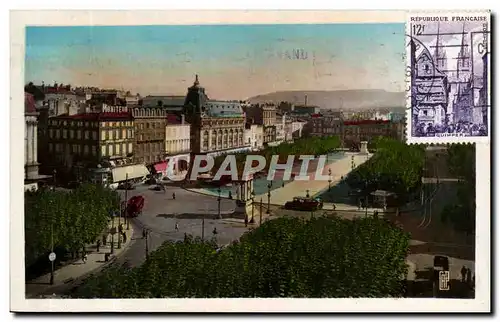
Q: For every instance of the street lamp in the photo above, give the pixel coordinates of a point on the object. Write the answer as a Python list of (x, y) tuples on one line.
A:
[(307, 193), (269, 186), (127, 219), (218, 202), (260, 213), (366, 198), (329, 179), (253, 196), (54, 177)]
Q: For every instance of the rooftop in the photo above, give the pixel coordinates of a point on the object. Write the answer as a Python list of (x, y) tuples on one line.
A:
[(103, 116), (224, 109), (366, 122)]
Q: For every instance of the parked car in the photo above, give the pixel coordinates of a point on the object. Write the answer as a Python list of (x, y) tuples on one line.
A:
[(159, 187), (304, 204), (134, 206), (151, 181)]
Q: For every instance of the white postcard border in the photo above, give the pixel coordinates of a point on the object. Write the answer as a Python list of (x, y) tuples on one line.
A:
[(18, 302)]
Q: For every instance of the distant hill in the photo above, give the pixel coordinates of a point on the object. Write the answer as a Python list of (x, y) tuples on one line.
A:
[(357, 99)]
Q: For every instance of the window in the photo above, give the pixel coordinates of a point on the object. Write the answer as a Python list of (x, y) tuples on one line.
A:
[(130, 148), (75, 148), (65, 134), (51, 133), (117, 149), (110, 135), (147, 125), (103, 135), (124, 148), (124, 134), (51, 147), (104, 124), (87, 135), (86, 149), (110, 149), (94, 150), (103, 150), (141, 126), (79, 134)]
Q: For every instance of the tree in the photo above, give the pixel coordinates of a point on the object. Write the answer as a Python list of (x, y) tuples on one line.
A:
[(286, 257), (72, 219), (395, 167)]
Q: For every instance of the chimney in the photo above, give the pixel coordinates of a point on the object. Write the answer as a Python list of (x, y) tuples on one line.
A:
[(183, 119), (305, 101)]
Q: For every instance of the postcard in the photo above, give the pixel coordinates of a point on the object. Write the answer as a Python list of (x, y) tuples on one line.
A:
[(244, 161)]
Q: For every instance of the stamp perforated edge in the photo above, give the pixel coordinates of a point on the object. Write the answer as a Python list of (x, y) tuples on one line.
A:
[(409, 139)]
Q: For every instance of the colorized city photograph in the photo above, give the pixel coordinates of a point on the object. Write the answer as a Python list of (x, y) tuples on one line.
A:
[(118, 203)]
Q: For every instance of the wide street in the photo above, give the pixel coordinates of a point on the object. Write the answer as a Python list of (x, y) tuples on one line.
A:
[(161, 212)]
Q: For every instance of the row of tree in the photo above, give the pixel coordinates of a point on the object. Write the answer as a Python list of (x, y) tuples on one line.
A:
[(395, 167), (286, 257), (304, 146), (67, 220)]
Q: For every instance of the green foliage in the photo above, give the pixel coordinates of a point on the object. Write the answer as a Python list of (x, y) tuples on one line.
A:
[(72, 219), (286, 257), (395, 167), (303, 146)]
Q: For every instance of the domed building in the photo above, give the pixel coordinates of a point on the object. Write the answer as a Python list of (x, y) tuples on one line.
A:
[(217, 127)]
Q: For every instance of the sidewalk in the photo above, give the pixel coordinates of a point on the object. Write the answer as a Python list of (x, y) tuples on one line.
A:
[(67, 274)]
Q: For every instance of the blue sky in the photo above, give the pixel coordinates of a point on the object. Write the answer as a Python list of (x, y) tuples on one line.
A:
[(233, 61)]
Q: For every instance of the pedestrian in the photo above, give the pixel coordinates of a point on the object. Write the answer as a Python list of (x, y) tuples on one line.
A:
[(173, 195), (185, 237), (283, 184), (104, 238), (84, 257), (469, 276), (143, 233), (215, 231), (124, 235), (176, 226), (230, 195), (463, 271), (246, 221), (98, 244), (120, 228)]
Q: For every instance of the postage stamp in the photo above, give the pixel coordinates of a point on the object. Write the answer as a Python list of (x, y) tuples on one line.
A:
[(448, 77)]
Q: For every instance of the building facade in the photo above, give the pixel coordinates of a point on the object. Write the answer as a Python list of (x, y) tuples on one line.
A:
[(217, 127), (326, 125), (430, 92), (254, 136), (150, 124), (354, 132), (265, 115), (31, 175), (90, 140)]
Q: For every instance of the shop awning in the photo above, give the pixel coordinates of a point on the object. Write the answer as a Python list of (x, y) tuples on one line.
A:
[(129, 171), (161, 167)]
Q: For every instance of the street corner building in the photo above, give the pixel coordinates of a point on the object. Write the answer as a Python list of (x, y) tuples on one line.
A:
[(217, 127), (96, 145)]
